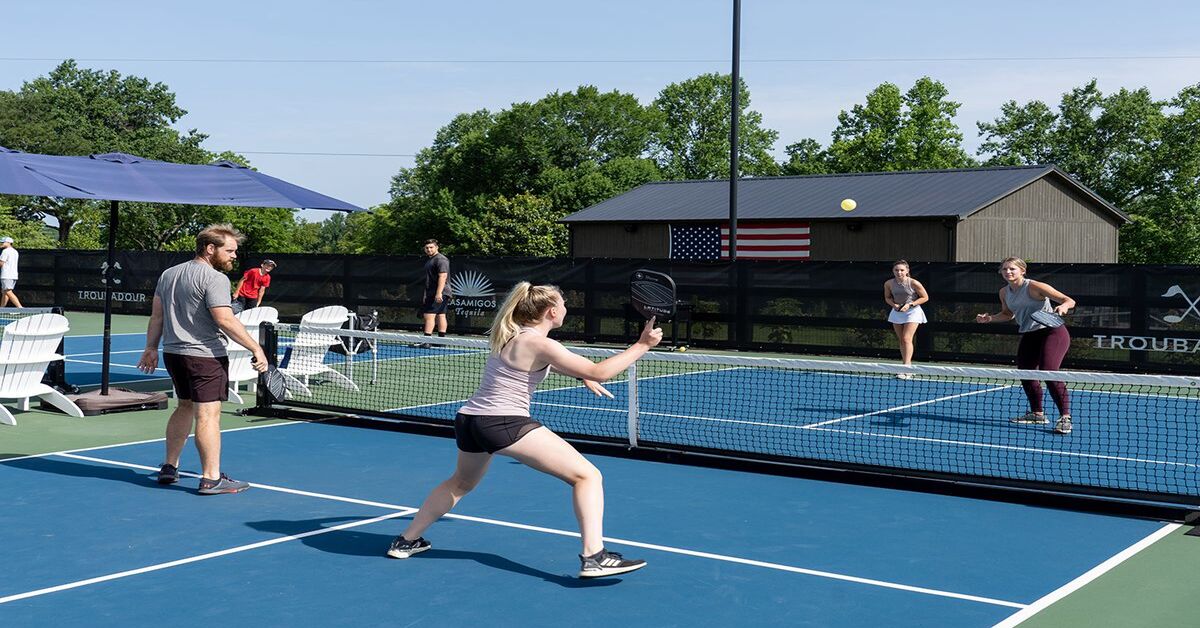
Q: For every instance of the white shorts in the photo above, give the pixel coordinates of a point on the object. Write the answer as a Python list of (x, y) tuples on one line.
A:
[(7, 284), (914, 315)]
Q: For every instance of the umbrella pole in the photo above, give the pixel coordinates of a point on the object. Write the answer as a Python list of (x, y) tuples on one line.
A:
[(108, 290)]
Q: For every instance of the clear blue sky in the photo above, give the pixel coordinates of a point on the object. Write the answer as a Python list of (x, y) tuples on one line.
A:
[(444, 58)]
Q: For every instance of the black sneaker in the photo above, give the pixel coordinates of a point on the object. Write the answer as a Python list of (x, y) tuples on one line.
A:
[(224, 485), (168, 474), (606, 563), (403, 548)]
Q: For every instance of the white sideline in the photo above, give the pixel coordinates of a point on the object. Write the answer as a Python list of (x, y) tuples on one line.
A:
[(198, 558), (1092, 574)]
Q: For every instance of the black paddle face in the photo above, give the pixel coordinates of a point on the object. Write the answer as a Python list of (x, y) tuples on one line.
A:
[(653, 294), (275, 384), (273, 380), (1047, 318)]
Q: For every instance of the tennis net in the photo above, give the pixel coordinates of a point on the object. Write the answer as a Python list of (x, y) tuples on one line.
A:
[(14, 314), (1134, 436)]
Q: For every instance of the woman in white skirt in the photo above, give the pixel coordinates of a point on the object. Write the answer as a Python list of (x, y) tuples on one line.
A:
[(904, 295)]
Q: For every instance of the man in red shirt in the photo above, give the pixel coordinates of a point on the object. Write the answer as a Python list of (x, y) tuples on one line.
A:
[(253, 286)]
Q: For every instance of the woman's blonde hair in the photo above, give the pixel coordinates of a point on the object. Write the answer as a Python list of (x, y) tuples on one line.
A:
[(524, 305), (1016, 261)]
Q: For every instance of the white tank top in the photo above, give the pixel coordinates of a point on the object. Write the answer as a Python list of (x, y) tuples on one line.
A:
[(504, 390)]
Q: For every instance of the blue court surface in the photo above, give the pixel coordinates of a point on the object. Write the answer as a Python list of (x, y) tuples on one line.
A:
[(89, 539), (84, 356)]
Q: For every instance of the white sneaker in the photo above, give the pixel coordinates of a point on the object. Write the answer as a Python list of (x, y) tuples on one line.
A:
[(1033, 418), (1063, 426)]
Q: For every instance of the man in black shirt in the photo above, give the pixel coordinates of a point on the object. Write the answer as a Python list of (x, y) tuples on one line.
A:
[(437, 289)]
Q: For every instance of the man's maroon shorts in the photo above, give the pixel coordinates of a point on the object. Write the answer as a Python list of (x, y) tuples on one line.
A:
[(197, 378)]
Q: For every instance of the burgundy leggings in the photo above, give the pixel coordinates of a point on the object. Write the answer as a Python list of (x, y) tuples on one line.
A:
[(1044, 350)]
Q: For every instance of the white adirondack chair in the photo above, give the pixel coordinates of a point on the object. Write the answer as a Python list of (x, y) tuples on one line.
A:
[(309, 350), (240, 368), (27, 347)]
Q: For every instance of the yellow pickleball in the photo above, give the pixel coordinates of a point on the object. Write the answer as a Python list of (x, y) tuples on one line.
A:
[(848, 204)]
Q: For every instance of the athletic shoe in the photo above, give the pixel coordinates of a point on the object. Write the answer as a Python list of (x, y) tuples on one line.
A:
[(903, 375), (168, 474), (403, 548), (1063, 426), (224, 485), (1031, 418), (606, 563)]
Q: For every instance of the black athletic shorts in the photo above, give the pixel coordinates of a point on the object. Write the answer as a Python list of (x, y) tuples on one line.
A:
[(197, 378), (476, 434), (429, 306)]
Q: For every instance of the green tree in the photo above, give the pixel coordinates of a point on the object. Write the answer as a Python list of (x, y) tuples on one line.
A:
[(1141, 154), (521, 225), (807, 157), (569, 150), (692, 140), (28, 234), (76, 111), (897, 131)]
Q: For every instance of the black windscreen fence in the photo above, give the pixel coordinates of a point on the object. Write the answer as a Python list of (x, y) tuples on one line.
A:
[(1129, 317)]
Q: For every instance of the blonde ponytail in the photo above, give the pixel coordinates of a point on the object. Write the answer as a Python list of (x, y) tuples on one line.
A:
[(524, 305)]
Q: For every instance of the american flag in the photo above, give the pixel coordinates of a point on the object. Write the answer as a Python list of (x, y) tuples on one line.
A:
[(756, 240)]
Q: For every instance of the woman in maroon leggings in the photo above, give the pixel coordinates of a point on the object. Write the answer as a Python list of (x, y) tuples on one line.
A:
[(1042, 347)]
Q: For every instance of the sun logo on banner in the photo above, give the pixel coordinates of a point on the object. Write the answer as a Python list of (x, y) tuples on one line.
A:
[(473, 294), (471, 284)]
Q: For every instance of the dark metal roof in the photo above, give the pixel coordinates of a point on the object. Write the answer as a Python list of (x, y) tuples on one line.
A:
[(914, 194)]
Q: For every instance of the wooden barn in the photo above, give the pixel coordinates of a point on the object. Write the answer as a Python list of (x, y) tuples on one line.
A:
[(1039, 213)]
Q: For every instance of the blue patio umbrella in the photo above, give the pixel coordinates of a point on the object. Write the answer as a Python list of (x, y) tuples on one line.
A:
[(116, 177)]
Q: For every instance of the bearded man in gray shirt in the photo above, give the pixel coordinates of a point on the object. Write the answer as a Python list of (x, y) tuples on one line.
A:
[(191, 309)]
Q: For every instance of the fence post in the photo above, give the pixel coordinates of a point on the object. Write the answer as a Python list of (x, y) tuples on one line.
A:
[(741, 327), (591, 322), (1139, 317)]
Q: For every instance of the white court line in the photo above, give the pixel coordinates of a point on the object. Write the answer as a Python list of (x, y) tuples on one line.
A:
[(905, 407), (210, 555), (111, 364), (124, 333), (1093, 573), (269, 487), (508, 524), (145, 442), (88, 355), (751, 562)]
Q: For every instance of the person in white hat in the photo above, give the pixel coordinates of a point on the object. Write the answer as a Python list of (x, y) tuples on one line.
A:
[(8, 273)]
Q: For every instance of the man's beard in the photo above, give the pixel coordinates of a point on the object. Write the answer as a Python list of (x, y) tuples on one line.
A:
[(227, 265)]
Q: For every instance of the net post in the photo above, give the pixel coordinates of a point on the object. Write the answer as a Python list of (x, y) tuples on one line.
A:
[(633, 406), (269, 339)]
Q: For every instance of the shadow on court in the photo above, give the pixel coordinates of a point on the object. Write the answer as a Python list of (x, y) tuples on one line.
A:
[(71, 468), (359, 543)]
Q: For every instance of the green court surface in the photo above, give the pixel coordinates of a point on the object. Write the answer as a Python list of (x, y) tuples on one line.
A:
[(92, 323), (1154, 587)]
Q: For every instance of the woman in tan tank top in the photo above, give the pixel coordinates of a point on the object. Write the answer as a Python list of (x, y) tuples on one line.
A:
[(522, 350)]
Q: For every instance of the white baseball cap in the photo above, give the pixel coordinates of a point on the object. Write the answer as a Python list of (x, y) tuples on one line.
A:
[(5, 239)]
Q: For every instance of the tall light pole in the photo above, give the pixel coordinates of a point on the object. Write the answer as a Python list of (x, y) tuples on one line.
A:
[(733, 129)]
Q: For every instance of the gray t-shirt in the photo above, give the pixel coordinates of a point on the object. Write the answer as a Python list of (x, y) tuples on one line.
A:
[(435, 266), (187, 291)]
